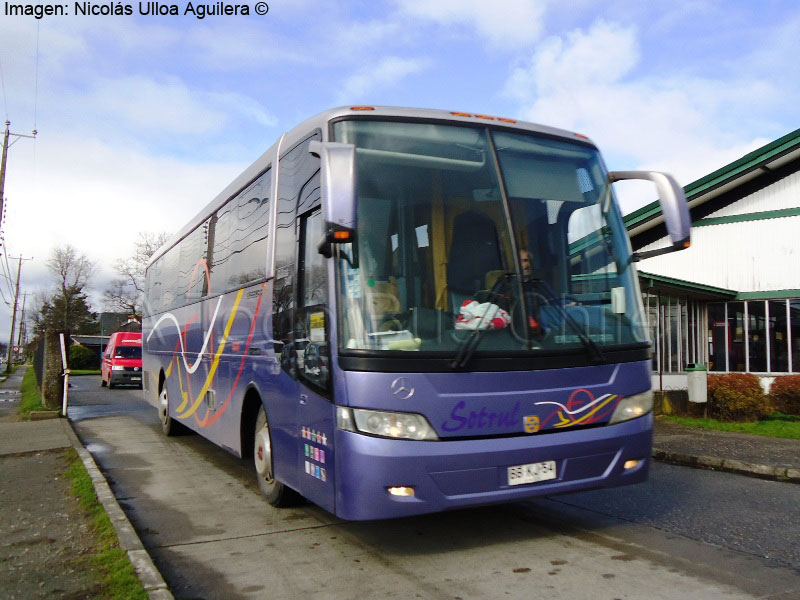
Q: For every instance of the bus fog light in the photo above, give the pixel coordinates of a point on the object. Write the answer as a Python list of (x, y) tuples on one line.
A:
[(402, 491), (630, 464), (633, 407)]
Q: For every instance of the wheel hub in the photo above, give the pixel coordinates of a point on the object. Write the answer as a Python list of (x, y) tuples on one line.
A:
[(263, 454)]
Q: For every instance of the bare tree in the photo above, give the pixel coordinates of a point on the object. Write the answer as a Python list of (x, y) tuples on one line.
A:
[(71, 268), (125, 292), (73, 271)]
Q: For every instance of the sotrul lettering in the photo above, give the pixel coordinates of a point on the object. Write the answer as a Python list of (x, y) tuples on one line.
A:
[(111, 8), (462, 419)]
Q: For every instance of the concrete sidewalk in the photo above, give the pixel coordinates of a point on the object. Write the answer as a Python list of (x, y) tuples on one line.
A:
[(772, 458), (25, 437)]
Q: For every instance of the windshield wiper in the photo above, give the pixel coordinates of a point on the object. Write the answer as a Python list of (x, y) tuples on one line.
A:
[(467, 348), (552, 300)]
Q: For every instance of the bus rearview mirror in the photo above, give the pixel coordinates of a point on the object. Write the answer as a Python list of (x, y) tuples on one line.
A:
[(674, 209), (338, 169)]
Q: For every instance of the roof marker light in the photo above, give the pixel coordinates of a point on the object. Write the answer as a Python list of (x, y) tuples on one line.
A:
[(580, 135), (484, 117), (502, 120), (362, 108), (460, 114)]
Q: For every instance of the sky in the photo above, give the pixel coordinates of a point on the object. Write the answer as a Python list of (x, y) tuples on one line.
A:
[(143, 119)]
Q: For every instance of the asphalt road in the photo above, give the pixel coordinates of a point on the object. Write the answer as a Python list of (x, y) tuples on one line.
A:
[(684, 534)]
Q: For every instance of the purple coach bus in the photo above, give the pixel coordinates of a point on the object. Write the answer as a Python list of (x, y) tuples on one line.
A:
[(399, 311)]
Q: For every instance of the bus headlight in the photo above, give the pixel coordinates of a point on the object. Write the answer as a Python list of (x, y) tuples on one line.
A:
[(632, 407), (407, 426)]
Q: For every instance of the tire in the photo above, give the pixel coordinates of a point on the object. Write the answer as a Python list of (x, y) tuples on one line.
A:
[(169, 426), (111, 386), (276, 493)]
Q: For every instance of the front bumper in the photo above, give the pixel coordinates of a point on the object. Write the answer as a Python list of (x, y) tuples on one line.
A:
[(126, 377), (454, 474)]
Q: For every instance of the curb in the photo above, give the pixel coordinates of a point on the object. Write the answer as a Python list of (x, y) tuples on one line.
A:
[(729, 465), (148, 574)]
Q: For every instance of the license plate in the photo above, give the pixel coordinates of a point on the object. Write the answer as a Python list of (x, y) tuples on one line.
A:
[(136, 378), (532, 472)]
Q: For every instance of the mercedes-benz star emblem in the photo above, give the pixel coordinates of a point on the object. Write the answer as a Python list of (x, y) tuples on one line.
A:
[(402, 389)]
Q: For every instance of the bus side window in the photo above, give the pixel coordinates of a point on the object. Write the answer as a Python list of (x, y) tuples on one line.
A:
[(299, 182), (312, 311)]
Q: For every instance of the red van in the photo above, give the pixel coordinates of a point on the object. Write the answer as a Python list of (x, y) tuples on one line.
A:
[(122, 360)]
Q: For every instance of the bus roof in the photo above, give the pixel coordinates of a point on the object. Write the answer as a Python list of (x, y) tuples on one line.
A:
[(321, 120)]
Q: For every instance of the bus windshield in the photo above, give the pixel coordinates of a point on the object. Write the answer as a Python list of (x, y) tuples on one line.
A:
[(473, 238)]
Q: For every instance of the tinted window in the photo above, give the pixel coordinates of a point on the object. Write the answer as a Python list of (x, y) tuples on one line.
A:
[(299, 186), (239, 234), (192, 266), (163, 281), (128, 352)]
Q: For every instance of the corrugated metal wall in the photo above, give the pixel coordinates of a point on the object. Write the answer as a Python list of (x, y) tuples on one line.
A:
[(781, 194), (749, 256)]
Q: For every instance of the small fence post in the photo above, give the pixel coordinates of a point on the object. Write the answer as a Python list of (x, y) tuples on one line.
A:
[(66, 375)]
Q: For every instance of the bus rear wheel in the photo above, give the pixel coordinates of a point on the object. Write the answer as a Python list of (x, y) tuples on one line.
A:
[(276, 493), (169, 426)]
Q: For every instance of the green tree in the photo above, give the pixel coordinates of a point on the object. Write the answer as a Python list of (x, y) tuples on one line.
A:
[(65, 312), (80, 357), (66, 308)]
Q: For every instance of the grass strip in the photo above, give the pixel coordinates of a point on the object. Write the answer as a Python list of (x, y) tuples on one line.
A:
[(114, 570), (777, 425), (30, 398)]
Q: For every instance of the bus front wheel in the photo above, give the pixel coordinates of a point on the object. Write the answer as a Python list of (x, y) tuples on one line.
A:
[(276, 493), (169, 426)]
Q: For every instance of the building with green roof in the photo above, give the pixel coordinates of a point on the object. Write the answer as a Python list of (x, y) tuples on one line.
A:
[(731, 300)]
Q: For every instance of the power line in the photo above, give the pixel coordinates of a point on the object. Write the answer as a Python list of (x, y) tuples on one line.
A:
[(2, 295), (14, 315), (6, 274), (7, 269), (4, 159)]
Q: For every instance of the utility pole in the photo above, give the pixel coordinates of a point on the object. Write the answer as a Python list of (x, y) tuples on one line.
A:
[(22, 328), (6, 135), (14, 317)]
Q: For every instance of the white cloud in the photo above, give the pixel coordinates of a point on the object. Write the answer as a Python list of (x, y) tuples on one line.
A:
[(606, 53), (509, 24), (586, 81), (97, 197), (169, 105), (388, 72), (353, 41)]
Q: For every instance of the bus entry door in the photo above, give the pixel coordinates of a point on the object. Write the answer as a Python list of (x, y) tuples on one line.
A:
[(316, 411)]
